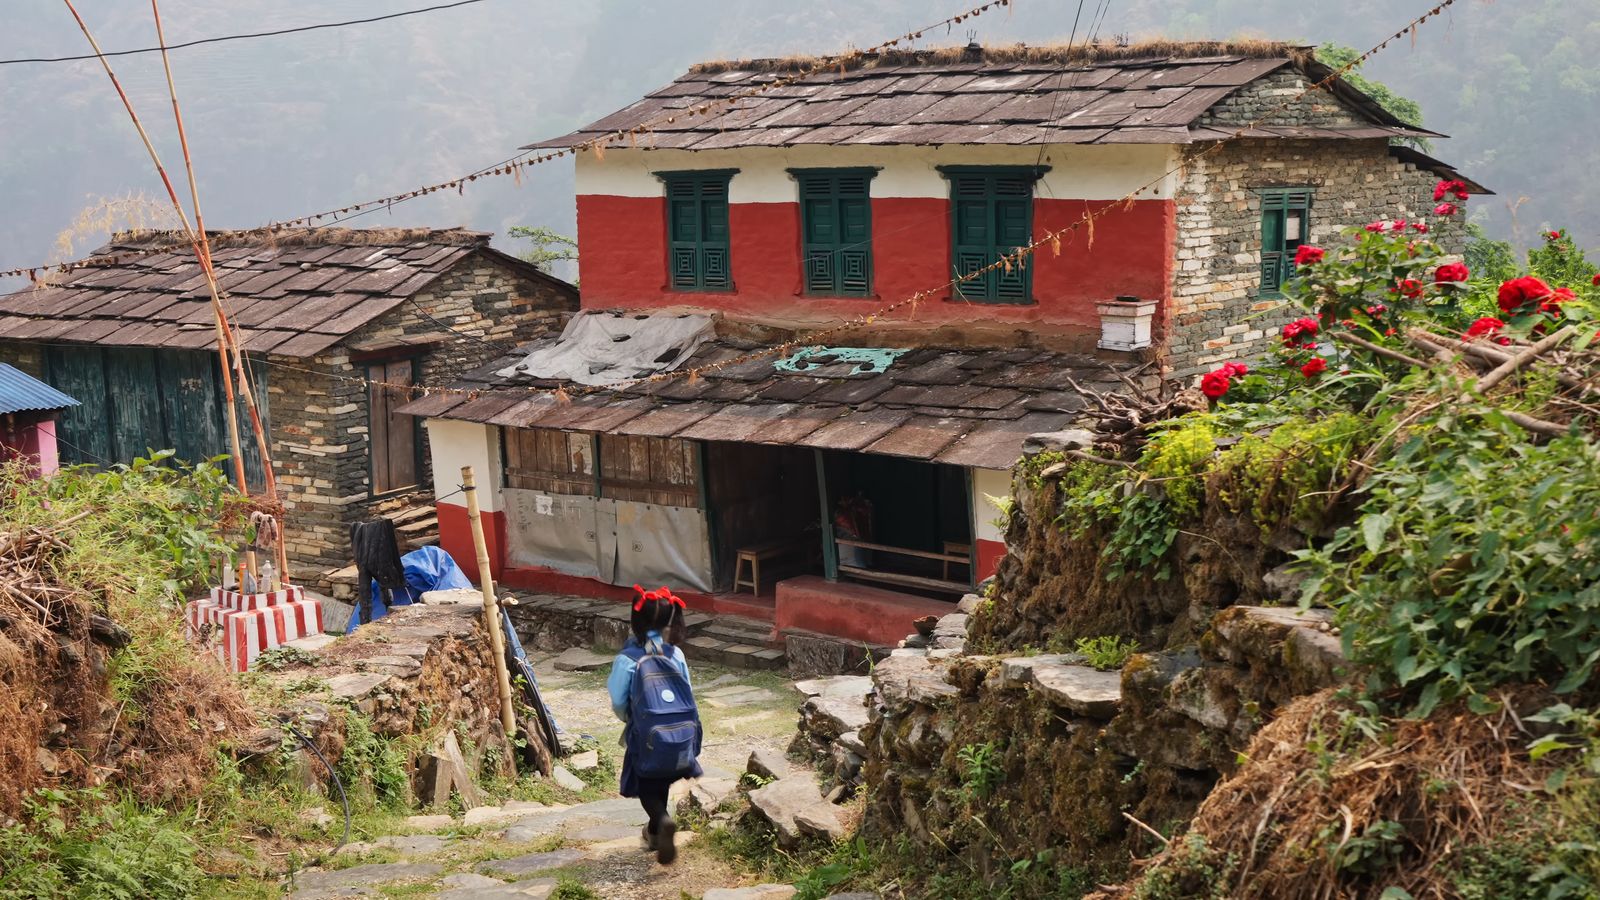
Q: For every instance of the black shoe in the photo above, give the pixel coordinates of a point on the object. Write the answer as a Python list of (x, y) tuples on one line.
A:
[(666, 846)]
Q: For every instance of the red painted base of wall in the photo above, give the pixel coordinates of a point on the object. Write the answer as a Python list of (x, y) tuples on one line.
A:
[(549, 581), (989, 553), (854, 611), (455, 537)]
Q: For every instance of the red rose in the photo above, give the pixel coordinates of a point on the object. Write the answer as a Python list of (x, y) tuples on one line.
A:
[(1596, 279), (1458, 188), (1503, 341), (1377, 309), (1552, 303), (1308, 255), (1235, 369), (1419, 227), (1215, 384), (1376, 226), (1306, 327), (1552, 235), (1519, 291), (1410, 287), (1316, 366), (1487, 325), (1446, 209), (1450, 272)]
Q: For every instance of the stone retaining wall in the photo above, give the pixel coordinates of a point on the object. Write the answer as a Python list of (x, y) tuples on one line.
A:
[(423, 670), (1066, 750)]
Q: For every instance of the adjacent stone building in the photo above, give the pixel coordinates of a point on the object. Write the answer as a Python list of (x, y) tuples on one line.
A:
[(342, 326)]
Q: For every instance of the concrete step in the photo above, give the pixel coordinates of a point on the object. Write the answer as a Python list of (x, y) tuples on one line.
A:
[(733, 654), (729, 629)]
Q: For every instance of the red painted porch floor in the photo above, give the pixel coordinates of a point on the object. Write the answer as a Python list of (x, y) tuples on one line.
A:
[(846, 610)]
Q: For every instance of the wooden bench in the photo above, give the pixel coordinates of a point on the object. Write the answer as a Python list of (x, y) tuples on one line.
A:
[(755, 556), (946, 585), (957, 548)]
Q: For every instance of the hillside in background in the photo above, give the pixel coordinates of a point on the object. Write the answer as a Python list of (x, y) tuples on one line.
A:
[(287, 125)]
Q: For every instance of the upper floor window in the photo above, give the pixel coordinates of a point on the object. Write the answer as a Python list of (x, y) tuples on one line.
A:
[(991, 209), (836, 231), (1285, 225), (697, 229)]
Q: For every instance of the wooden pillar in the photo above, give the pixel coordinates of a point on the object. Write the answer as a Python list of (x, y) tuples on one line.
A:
[(491, 606), (830, 550)]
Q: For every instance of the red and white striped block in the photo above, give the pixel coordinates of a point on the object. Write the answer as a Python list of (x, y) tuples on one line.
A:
[(246, 634), (240, 627)]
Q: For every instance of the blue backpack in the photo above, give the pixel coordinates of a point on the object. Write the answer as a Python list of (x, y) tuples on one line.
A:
[(664, 723)]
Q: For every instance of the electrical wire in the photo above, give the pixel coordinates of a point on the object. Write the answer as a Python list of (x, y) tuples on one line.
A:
[(343, 800), (240, 37)]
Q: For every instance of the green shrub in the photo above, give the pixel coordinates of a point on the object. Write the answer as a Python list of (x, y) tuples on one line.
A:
[(981, 769), (74, 844), (1472, 564), (1107, 652), (1177, 457)]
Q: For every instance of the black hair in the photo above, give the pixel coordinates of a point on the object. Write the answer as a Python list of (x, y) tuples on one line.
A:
[(656, 611)]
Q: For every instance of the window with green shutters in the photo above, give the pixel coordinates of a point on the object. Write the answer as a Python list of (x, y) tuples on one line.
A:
[(991, 210), (697, 230), (836, 231), (1285, 225)]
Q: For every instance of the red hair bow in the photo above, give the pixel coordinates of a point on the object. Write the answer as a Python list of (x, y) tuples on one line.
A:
[(660, 595)]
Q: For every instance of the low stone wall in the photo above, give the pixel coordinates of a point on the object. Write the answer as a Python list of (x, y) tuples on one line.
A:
[(1075, 756), (423, 671)]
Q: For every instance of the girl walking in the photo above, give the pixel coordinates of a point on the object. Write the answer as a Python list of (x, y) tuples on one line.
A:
[(661, 734)]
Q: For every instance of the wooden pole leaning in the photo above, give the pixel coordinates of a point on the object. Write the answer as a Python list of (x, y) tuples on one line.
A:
[(491, 606)]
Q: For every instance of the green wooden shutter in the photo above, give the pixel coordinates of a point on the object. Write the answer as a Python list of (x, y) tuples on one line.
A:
[(836, 231), (991, 217), (1279, 239), (698, 258)]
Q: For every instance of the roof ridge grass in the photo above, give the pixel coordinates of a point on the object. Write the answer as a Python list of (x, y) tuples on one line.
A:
[(306, 237), (1155, 48)]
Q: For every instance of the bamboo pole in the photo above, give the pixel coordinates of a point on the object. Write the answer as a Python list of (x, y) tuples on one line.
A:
[(491, 606)]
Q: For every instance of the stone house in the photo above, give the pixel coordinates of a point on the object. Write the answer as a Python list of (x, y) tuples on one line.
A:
[(815, 199), (341, 327)]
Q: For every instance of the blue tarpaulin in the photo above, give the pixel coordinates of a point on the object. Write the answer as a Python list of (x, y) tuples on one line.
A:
[(426, 569)]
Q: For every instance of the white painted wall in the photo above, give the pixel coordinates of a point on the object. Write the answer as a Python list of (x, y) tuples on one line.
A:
[(988, 483), (455, 444), (1077, 172)]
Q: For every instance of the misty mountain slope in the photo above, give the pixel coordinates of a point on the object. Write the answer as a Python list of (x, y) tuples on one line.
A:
[(288, 125)]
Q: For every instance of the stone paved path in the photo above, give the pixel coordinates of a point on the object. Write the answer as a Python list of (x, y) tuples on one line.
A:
[(522, 850)]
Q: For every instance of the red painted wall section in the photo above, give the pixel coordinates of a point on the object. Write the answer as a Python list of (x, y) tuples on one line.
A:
[(623, 260), (989, 553), (854, 611), (455, 538)]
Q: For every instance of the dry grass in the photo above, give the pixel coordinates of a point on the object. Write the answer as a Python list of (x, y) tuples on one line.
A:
[(303, 237), (1058, 54), (1281, 826)]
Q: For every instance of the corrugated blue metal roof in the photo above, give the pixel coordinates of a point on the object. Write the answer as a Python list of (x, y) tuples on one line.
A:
[(20, 392)]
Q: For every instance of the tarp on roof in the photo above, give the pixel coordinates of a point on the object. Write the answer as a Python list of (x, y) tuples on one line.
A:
[(607, 348)]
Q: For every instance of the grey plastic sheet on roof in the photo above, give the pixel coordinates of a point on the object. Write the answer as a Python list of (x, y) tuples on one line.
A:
[(606, 348)]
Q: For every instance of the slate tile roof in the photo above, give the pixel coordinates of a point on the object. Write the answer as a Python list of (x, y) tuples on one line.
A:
[(959, 406), (1005, 96), (293, 292)]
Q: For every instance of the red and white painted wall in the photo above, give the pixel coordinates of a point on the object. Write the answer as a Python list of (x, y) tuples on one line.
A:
[(989, 538), (453, 445), (622, 230)]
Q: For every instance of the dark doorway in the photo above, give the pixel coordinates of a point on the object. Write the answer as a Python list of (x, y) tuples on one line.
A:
[(899, 521)]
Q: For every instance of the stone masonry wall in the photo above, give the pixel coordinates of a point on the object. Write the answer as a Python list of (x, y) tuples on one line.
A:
[(1217, 313), (319, 409), (1262, 97)]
